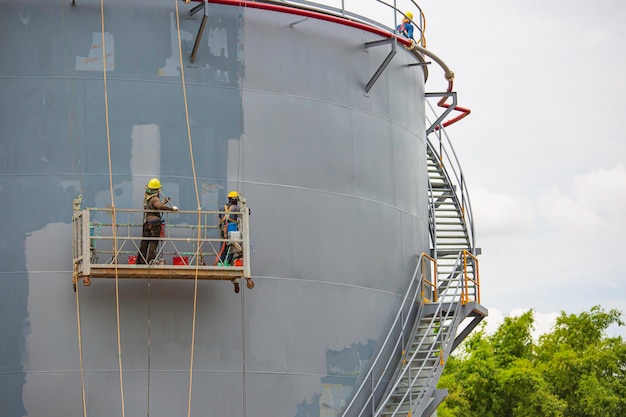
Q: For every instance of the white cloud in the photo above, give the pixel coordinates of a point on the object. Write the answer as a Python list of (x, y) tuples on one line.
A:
[(500, 213), (604, 191), (594, 38), (544, 322), (494, 320), (593, 202), (563, 211)]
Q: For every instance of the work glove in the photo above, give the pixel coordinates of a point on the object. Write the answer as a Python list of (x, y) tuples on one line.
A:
[(175, 208)]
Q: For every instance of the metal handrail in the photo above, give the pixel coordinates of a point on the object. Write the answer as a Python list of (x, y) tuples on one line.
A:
[(418, 25), (450, 294), (344, 11), (431, 283), (411, 295), (475, 282), (195, 237), (455, 176)]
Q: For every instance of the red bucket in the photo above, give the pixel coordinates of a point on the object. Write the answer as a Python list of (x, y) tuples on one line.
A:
[(132, 260), (180, 260), (238, 262)]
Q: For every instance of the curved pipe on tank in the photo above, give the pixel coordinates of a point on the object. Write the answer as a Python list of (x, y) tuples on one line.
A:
[(442, 103), (449, 75), (409, 44)]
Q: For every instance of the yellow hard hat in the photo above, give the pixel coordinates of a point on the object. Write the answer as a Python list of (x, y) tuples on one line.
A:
[(154, 183), (409, 15), (233, 194)]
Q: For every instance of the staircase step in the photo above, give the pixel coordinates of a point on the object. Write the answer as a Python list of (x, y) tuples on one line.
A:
[(448, 252), (423, 381), (439, 183), (401, 412), (445, 216), (425, 359)]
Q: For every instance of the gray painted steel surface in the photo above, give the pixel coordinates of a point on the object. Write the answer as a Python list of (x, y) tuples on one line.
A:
[(336, 181)]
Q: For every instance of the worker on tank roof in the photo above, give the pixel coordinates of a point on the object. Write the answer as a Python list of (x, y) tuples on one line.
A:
[(406, 27), (152, 205)]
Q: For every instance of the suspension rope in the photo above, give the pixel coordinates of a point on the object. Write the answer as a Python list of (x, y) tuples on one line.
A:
[(80, 352), (74, 144), (113, 214), (195, 183), (242, 169), (73, 133), (149, 303)]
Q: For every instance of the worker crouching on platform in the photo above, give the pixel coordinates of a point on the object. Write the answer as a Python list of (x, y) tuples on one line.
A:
[(152, 221), (406, 27), (229, 223)]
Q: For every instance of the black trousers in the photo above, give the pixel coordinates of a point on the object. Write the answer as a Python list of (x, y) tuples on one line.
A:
[(148, 248)]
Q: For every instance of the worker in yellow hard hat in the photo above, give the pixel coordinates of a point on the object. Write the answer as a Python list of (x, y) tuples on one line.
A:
[(406, 27), (153, 207), (229, 223)]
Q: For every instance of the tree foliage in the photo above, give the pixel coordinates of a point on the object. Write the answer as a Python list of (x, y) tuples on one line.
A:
[(573, 371)]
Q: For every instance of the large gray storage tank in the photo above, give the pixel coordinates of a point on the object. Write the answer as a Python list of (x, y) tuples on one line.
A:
[(335, 178)]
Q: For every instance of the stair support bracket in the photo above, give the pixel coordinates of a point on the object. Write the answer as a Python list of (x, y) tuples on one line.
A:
[(446, 112), (394, 45)]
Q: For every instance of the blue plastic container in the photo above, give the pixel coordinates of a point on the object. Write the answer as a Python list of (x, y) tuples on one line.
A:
[(232, 227)]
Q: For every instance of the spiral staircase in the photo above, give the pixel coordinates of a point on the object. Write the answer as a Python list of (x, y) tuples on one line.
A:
[(440, 308)]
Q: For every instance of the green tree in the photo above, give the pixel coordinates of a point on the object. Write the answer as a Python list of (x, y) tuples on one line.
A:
[(584, 367), (467, 376), (573, 371)]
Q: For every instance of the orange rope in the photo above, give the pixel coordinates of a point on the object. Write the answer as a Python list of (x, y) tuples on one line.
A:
[(195, 183), (80, 352), (113, 215)]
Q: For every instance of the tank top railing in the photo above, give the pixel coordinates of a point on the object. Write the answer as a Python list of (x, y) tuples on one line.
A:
[(378, 13), (381, 14)]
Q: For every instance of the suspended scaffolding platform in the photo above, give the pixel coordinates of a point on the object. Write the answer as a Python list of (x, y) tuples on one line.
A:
[(106, 244)]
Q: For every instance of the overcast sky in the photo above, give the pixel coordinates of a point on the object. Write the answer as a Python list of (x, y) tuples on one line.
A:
[(544, 150)]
